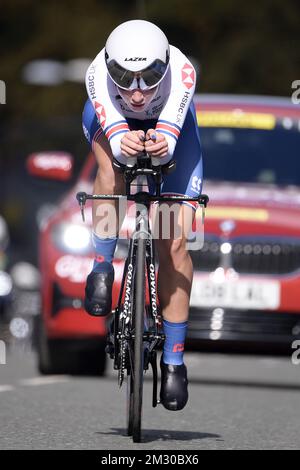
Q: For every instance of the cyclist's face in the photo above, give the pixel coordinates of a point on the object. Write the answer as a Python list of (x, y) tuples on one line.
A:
[(138, 99)]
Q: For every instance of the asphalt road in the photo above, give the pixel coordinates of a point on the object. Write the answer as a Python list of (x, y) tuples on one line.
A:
[(235, 402)]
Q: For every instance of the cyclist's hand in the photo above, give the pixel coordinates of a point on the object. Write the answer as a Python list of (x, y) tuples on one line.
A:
[(132, 143), (156, 144)]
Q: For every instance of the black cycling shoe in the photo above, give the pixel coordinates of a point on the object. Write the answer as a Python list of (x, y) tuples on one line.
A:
[(174, 392), (98, 290)]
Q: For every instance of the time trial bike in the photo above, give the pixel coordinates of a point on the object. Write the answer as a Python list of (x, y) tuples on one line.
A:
[(135, 333)]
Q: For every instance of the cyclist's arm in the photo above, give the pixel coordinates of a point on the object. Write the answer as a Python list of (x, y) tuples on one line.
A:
[(101, 91), (183, 82)]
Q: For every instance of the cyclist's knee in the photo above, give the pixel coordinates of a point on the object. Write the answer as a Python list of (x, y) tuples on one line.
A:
[(102, 151), (108, 179), (173, 251)]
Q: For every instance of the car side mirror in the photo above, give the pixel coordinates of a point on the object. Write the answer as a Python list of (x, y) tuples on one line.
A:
[(51, 165)]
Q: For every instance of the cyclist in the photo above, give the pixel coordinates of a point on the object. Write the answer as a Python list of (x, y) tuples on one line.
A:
[(140, 92)]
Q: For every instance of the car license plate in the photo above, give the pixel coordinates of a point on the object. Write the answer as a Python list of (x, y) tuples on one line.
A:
[(245, 294)]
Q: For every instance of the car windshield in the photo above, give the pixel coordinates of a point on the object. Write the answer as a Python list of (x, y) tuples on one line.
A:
[(252, 155)]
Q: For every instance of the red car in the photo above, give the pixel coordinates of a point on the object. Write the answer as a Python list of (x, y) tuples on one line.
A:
[(247, 275)]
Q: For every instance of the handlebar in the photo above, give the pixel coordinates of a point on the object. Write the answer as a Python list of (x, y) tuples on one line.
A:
[(82, 197), (140, 198), (148, 166)]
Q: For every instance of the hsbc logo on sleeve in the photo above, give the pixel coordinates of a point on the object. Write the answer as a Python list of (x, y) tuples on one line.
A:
[(188, 76), (101, 114)]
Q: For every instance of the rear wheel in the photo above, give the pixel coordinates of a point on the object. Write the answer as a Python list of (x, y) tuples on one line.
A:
[(138, 354)]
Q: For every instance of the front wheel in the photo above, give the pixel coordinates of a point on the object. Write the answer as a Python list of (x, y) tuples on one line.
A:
[(129, 404), (138, 353)]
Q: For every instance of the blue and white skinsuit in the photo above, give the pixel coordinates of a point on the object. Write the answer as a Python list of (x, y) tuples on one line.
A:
[(171, 112)]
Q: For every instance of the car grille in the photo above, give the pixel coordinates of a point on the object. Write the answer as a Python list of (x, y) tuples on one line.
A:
[(208, 258), (250, 257), (243, 325), (62, 301)]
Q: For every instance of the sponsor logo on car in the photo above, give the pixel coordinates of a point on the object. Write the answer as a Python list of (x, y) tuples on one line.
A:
[(237, 119), (50, 161), (73, 268), (237, 213)]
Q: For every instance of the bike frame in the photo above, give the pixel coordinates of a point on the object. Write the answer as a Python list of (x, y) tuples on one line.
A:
[(151, 338)]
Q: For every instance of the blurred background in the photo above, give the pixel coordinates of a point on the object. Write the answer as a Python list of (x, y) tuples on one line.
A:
[(46, 47), (238, 50)]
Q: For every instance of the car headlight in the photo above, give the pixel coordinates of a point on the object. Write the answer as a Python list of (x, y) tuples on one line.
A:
[(72, 238)]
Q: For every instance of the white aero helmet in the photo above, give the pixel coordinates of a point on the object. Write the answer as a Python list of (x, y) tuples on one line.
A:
[(137, 55)]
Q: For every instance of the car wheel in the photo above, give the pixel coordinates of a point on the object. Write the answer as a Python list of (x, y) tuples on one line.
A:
[(92, 362), (49, 355), (67, 356)]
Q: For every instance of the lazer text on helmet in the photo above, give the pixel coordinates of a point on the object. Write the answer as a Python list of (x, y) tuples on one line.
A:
[(135, 59)]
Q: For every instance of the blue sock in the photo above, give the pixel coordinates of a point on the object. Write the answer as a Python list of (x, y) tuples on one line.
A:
[(174, 343), (104, 248)]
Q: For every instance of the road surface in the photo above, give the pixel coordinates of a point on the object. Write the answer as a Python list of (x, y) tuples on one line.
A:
[(236, 402)]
